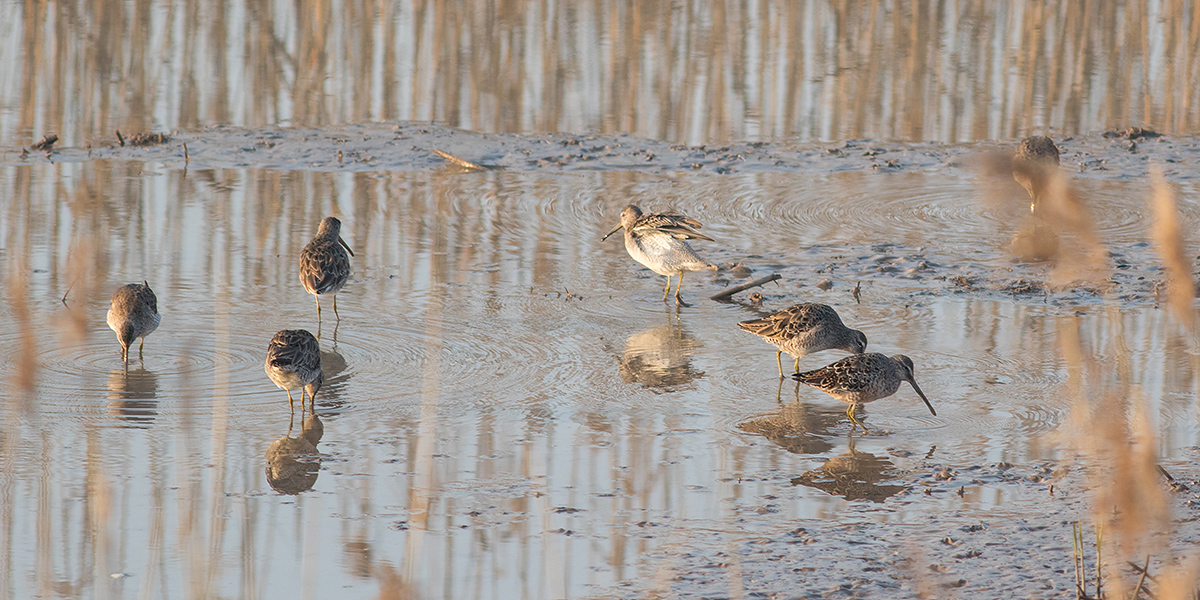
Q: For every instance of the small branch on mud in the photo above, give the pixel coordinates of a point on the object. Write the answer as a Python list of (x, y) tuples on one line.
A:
[(727, 294), (458, 162), (120, 138)]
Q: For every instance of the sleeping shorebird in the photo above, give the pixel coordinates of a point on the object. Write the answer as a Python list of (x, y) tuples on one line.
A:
[(324, 264), (659, 241), (294, 362), (133, 314), (803, 329), (863, 378)]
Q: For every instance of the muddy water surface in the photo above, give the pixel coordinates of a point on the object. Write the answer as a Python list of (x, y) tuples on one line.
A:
[(510, 410)]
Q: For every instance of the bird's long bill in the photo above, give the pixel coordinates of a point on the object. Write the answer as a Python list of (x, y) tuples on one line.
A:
[(611, 232), (922, 395), (345, 245)]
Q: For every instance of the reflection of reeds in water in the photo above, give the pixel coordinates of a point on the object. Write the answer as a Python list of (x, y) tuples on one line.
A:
[(696, 72)]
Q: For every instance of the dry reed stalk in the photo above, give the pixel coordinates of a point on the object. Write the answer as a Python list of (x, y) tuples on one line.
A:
[(26, 376), (1083, 263), (1167, 235), (1112, 437), (83, 273)]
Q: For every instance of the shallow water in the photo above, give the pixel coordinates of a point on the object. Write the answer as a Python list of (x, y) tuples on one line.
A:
[(510, 410)]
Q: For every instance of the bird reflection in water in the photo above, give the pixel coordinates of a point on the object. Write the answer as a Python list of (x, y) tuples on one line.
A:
[(798, 427), (293, 463), (660, 358), (854, 475), (803, 428), (133, 396)]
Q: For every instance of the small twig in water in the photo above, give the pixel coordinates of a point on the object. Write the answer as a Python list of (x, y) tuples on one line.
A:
[(728, 293), (120, 138), (458, 162), (186, 158), (857, 291), (64, 296)]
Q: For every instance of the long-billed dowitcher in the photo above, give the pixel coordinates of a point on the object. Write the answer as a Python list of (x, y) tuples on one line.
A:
[(294, 361), (659, 241), (133, 314), (1033, 164), (324, 264), (803, 329), (863, 378)]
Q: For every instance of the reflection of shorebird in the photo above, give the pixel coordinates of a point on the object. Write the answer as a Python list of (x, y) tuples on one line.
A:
[(863, 378), (293, 463), (797, 427), (659, 357), (294, 361), (803, 329), (853, 475), (659, 241), (1033, 164), (132, 395), (324, 264), (133, 314)]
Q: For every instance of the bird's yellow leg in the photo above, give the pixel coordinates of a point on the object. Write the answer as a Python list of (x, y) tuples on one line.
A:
[(668, 290), (140, 346), (797, 367), (854, 421), (335, 312), (318, 298), (289, 392), (678, 298), (779, 362)]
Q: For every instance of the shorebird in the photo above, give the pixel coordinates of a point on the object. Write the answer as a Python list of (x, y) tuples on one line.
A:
[(659, 241), (1033, 164), (133, 314), (863, 378), (324, 264), (294, 361), (803, 329)]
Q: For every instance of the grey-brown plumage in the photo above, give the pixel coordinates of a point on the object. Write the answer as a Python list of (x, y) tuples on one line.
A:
[(806, 328), (1034, 164), (659, 241), (294, 362), (133, 314), (863, 378), (325, 264)]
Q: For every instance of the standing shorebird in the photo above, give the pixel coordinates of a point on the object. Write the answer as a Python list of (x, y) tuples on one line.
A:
[(324, 264), (294, 361), (659, 241), (133, 314), (863, 378), (1033, 165), (803, 329)]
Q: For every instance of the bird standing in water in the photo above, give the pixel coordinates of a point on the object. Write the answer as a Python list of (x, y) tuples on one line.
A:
[(863, 378), (1033, 165), (133, 314), (803, 329), (324, 263), (294, 362), (659, 241)]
